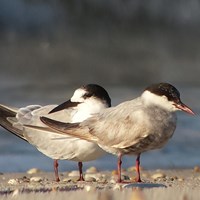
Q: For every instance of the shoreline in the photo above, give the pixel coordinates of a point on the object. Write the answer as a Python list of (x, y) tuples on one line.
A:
[(40, 184)]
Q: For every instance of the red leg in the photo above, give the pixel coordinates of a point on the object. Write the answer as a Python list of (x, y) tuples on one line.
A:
[(138, 179), (119, 168), (80, 166), (56, 170)]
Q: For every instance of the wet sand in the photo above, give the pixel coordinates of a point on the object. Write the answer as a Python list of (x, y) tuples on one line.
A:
[(157, 184)]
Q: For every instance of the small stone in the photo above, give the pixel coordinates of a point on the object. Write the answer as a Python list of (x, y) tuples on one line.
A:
[(158, 175), (36, 179), (90, 179), (102, 180), (13, 181), (24, 179), (112, 180), (95, 176), (91, 170), (117, 187), (89, 188), (67, 180), (33, 171), (74, 173), (197, 169), (180, 179)]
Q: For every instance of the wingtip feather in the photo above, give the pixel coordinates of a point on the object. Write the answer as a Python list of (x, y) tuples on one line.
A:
[(72, 129)]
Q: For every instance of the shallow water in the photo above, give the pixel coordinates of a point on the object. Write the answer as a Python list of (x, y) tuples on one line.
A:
[(182, 151)]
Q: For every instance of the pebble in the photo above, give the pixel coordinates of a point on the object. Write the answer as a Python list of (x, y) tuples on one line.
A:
[(73, 179), (24, 179), (90, 179), (117, 187), (13, 181), (67, 180), (158, 175), (96, 176), (112, 180), (33, 171), (102, 180), (91, 170), (89, 188), (197, 169), (74, 173), (36, 179)]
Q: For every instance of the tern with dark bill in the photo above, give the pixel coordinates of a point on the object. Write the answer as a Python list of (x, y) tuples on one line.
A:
[(85, 102), (132, 127)]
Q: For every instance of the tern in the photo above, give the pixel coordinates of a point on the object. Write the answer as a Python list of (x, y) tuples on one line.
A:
[(85, 102), (132, 127)]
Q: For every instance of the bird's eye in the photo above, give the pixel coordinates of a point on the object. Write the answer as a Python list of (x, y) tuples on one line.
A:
[(87, 95)]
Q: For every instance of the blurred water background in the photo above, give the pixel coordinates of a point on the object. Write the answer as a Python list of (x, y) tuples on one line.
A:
[(49, 48)]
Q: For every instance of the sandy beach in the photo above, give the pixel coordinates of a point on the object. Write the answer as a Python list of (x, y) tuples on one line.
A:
[(176, 184)]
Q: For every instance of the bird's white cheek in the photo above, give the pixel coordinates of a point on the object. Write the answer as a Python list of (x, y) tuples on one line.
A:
[(78, 95)]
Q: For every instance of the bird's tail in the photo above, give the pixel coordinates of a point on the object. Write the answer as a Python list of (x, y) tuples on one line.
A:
[(8, 118), (73, 129)]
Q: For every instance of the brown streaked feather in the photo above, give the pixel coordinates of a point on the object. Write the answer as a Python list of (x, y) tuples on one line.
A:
[(72, 129)]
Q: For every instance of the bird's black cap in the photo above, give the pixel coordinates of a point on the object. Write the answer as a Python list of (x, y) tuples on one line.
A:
[(165, 89), (96, 91)]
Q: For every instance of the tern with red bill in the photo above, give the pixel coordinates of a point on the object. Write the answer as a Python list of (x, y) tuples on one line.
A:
[(132, 127)]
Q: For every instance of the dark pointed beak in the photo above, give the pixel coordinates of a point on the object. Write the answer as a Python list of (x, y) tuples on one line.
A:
[(185, 108), (63, 106)]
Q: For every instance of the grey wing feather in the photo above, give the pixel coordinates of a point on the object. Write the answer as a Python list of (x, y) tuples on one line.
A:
[(7, 118), (47, 141), (113, 124), (13, 119), (106, 128)]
